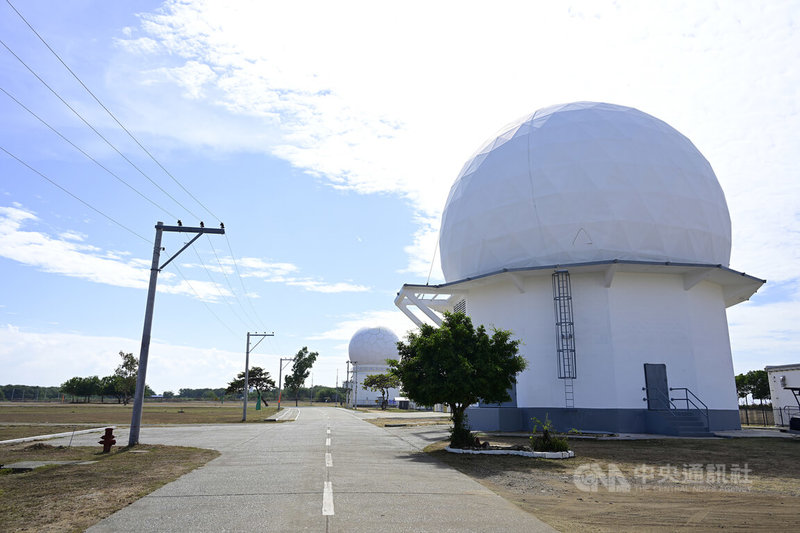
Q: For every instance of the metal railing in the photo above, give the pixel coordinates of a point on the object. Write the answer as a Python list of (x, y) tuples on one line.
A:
[(689, 401), (673, 409), (786, 413)]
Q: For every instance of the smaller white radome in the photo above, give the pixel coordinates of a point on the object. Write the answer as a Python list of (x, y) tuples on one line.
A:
[(373, 346)]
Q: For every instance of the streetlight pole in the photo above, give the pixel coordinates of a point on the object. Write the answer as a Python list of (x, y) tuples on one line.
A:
[(280, 376), (247, 367), (355, 385)]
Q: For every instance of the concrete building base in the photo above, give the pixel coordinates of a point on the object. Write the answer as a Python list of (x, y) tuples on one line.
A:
[(595, 420)]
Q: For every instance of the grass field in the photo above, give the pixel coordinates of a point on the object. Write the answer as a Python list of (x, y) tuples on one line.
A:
[(30, 419), (73, 497), (664, 491)]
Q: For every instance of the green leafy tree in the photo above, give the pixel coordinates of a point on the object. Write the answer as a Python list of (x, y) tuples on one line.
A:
[(72, 387), (107, 387), (168, 395), (327, 394), (755, 383), (301, 368), (759, 385), (258, 379), (381, 383), (457, 365), (743, 387), (89, 387), (125, 384)]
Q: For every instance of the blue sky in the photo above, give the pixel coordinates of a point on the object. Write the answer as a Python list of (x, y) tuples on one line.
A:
[(326, 136)]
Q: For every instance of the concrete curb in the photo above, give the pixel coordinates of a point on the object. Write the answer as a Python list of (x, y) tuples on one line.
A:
[(540, 455), (54, 435)]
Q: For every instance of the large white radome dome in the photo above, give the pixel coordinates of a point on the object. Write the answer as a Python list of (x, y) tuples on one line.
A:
[(373, 346), (583, 182)]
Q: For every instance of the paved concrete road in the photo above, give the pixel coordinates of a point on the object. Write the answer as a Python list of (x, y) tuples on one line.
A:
[(327, 471)]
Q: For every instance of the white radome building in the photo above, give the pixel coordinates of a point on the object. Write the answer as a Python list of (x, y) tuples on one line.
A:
[(600, 236), (368, 351)]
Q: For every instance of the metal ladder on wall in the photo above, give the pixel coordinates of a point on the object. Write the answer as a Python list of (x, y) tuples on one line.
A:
[(565, 333)]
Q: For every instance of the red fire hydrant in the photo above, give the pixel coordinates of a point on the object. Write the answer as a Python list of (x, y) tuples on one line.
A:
[(108, 440)]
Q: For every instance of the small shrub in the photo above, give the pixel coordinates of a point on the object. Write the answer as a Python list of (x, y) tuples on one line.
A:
[(547, 442)]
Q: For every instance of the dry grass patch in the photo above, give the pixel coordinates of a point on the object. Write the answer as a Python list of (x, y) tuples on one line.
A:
[(18, 431), (382, 422), (547, 488), (118, 414), (73, 497)]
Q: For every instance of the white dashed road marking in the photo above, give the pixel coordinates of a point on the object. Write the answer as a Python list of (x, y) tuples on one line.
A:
[(328, 460), (328, 441), (327, 499)]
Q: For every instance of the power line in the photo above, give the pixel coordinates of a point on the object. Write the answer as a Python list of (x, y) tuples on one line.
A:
[(241, 281), (96, 99), (146, 151), (95, 161), (216, 286), (227, 280), (87, 204), (204, 302), (95, 130)]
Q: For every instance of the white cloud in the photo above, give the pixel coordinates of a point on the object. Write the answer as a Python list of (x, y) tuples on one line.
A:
[(270, 272), (50, 358), (72, 258), (192, 76), (69, 257), (62, 256), (348, 325), (73, 236), (764, 335), (328, 288)]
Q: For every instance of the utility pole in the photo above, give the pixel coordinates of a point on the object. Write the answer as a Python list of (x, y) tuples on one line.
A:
[(247, 367), (355, 385), (347, 384), (280, 376), (144, 352)]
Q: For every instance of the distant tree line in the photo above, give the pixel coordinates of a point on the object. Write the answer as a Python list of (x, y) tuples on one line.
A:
[(120, 385), (28, 393)]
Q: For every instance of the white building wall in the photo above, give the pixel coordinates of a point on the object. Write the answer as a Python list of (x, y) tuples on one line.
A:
[(641, 318), (368, 397), (782, 398), (708, 323)]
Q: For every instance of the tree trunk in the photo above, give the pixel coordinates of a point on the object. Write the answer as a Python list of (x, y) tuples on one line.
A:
[(460, 437)]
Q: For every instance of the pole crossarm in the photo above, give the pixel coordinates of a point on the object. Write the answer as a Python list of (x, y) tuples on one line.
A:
[(184, 229)]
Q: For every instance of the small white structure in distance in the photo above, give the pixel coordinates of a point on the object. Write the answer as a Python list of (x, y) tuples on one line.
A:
[(600, 236), (783, 378), (368, 351)]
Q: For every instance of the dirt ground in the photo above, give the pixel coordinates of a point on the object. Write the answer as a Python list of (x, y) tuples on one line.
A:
[(408, 422), (666, 484), (72, 497)]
